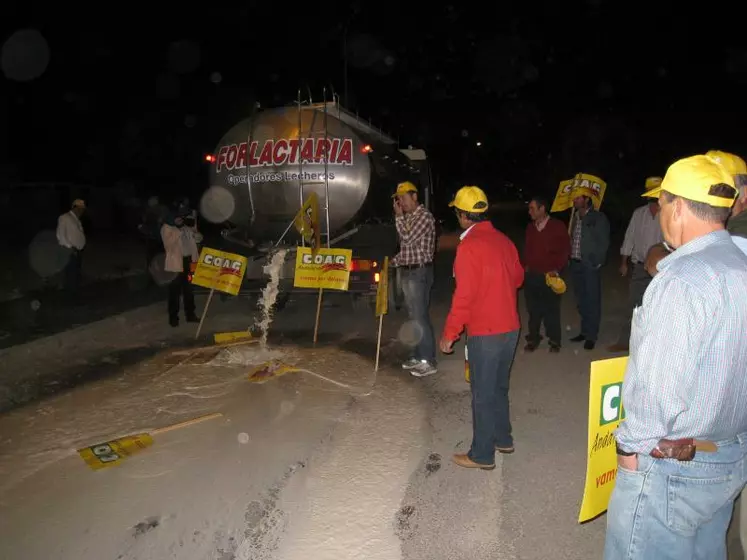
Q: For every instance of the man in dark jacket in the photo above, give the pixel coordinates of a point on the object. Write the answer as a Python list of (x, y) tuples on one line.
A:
[(590, 239)]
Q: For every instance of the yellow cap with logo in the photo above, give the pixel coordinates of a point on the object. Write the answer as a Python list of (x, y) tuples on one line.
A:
[(693, 177), (404, 188), (734, 164), (555, 283), (470, 199)]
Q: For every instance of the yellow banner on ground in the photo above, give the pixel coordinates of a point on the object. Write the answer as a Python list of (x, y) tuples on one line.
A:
[(307, 222), (595, 187), (382, 290), (113, 452), (328, 269), (605, 414), (220, 271), (269, 370), (227, 337)]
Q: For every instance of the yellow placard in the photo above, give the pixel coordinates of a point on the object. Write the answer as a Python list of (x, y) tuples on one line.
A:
[(605, 414), (225, 337), (328, 269), (113, 452), (563, 197), (307, 222), (269, 370), (382, 290), (220, 271)]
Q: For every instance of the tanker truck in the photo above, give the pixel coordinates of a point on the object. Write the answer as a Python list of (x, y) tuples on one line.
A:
[(272, 161)]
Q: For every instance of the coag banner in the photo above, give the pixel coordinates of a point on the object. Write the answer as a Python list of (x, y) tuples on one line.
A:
[(605, 414), (382, 290), (594, 184), (328, 269), (307, 222), (220, 271), (113, 452)]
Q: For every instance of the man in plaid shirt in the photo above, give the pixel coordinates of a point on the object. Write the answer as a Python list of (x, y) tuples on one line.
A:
[(416, 229)]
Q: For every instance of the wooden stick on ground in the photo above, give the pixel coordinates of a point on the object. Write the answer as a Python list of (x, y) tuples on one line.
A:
[(186, 423)]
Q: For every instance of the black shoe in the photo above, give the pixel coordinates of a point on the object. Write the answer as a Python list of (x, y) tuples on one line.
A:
[(193, 319), (579, 338), (531, 346), (589, 345), (174, 322), (554, 348)]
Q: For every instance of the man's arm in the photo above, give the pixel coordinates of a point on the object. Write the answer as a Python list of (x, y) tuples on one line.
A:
[(561, 251), (603, 231), (466, 271), (628, 244), (412, 228), (62, 238), (517, 270), (667, 337)]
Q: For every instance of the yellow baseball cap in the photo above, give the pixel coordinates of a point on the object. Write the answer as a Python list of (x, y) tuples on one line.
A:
[(404, 188), (734, 164), (470, 199), (79, 203), (555, 283), (693, 177), (651, 184)]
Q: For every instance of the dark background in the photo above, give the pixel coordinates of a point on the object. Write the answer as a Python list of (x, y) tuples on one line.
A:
[(135, 95)]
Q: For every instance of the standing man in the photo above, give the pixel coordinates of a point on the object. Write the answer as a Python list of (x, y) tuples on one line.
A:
[(416, 229), (72, 239), (643, 233), (488, 274), (546, 251), (590, 240), (180, 241), (682, 447)]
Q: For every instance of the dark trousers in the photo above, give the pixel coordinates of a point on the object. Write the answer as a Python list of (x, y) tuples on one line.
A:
[(490, 359), (73, 271), (639, 281), (587, 286), (544, 306), (180, 287), (417, 284)]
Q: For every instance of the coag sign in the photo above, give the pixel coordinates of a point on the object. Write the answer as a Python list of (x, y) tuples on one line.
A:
[(322, 259), (221, 262)]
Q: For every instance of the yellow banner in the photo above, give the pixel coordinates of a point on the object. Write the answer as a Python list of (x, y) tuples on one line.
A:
[(594, 186), (307, 222), (328, 269), (113, 452), (269, 370), (220, 271), (382, 290), (605, 414)]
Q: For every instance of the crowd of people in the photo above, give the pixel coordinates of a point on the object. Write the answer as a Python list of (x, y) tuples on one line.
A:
[(682, 446)]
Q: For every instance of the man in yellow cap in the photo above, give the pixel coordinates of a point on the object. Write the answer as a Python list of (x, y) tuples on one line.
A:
[(488, 274), (416, 229), (683, 444), (643, 233)]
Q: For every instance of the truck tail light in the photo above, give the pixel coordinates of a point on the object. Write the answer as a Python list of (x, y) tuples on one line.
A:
[(377, 277)]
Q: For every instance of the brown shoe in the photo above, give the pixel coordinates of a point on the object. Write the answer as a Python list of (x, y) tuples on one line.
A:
[(615, 348), (463, 460)]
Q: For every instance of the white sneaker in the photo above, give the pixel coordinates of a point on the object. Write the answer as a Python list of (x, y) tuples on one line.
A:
[(412, 363), (423, 369)]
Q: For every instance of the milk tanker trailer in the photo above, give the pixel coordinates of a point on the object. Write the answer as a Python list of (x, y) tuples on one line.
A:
[(272, 161)]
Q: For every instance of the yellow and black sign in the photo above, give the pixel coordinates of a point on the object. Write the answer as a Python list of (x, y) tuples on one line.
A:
[(328, 269), (584, 183), (382, 290), (220, 271), (113, 452), (307, 222)]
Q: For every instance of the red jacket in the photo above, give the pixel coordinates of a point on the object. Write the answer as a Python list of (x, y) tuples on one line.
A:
[(547, 250), (488, 274)]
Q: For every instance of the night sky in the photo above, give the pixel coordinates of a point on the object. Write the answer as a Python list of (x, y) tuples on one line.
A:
[(549, 89)]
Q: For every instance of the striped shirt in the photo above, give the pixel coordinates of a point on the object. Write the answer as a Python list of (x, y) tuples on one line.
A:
[(417, 237), (687, 371)]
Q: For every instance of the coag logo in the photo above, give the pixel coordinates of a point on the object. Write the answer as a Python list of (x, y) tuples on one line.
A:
[(324, 260), (611, 409), (220, 262)]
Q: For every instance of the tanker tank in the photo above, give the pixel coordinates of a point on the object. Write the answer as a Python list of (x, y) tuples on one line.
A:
[(267, 165)]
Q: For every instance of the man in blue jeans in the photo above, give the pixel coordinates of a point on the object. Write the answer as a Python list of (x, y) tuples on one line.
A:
[(416, 229), (488, 274), (682, 448)]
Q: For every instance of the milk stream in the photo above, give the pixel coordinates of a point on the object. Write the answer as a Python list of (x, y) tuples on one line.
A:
[(270, 293)]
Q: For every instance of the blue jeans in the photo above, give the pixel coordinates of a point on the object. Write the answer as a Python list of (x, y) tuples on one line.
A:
[(490, 359), (416, 288), (669, 509), (587, 286)]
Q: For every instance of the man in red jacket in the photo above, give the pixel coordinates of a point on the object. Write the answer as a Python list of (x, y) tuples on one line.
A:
[(488, 274), (546, 250)]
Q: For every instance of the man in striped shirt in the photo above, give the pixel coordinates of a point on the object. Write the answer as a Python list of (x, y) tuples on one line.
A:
[(416, 229), (683, 443)]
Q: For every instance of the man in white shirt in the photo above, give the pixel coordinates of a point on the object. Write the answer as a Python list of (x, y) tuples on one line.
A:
[(643, 233), (72, 239)]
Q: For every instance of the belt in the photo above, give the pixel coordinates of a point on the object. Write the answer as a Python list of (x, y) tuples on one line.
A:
[(682, 449), (414, 266)]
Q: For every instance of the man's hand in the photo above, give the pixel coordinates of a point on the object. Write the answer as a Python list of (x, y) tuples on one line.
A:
[(629, 463), (624, 269), (655, 254), (397, 208), (553, 274), (447, 346)]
